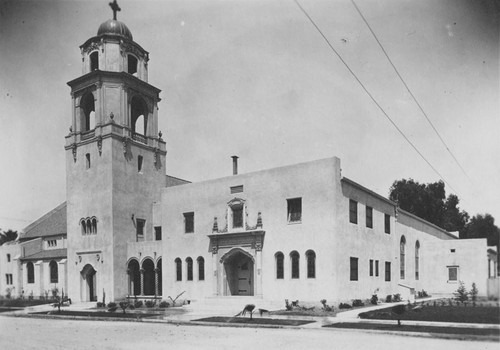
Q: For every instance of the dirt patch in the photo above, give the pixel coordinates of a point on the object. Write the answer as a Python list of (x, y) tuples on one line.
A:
[(255, 321), (424, 329), (97, 314)]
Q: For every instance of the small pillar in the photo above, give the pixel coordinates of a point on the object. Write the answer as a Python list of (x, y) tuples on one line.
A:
[(142, 281)]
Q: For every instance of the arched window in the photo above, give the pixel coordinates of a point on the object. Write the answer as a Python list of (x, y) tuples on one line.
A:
[(189, 265), (402, 257), (139, 114), (134, 276), (54, 272), (201, 268), (132, 65), (178, 269), (149, 277), (417, 262), (94, 61), (87, 112), (311, 264), (280, 271), (89, 226), (158, 273), (94, 225), (30, 268), (295, 257), (84, 226)]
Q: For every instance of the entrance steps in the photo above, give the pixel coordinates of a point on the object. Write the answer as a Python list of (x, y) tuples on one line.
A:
[(231, 305)]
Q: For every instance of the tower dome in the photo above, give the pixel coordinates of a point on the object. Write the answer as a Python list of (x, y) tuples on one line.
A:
[(114, 27)]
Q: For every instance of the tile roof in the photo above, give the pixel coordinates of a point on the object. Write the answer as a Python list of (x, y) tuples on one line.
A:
[(48, 254), (52, 223)]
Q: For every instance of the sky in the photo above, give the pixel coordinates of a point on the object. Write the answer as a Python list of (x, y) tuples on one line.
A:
[(256, 79)]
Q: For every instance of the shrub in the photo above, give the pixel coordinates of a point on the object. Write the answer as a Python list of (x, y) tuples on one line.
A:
[(422, 294), (131, 307), (461, 293), (288, 306), (357, 302), (374, 299), (396, 297), (150, 303), (388, 299), (111, 304), (164, 304), (124, 305), (344, 306), (99, 304), (326, 307), (138, 304), (473, 292)]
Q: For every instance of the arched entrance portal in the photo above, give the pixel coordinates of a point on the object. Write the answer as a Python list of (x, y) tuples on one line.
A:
[(88, 283), (239, 273)]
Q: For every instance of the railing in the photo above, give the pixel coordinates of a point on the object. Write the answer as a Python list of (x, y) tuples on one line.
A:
[(88, 134), (140, 138)]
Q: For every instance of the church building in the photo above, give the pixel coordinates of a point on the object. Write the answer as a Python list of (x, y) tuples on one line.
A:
[(129, 230)]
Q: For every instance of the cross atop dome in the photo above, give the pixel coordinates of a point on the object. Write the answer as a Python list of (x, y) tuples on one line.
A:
[(114, 6)]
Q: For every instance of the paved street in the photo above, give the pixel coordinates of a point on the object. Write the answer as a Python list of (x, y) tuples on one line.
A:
[(32, 333)]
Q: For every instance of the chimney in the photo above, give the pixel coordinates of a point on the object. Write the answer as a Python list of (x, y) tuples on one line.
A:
[(235, 165)]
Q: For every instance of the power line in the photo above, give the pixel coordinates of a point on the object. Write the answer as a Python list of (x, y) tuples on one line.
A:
[(409, 91), (371, 96)]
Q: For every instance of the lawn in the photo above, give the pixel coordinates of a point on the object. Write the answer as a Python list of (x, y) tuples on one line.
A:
[(23, 302), (98, 314), (425, 329), (440, 313)]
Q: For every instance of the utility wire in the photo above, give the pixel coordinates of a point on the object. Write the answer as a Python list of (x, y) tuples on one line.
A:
[(409, 91), (371, 96)]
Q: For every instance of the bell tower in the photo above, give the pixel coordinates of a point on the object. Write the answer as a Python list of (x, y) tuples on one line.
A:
[(115, 161)]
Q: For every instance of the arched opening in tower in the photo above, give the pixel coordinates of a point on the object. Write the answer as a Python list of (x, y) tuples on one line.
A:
[(139, 118), (94, 61), (132, 65), (87, 112)]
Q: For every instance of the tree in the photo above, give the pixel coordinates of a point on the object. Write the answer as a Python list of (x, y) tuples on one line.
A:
[(483, 226), (429, 202), (7, 236)]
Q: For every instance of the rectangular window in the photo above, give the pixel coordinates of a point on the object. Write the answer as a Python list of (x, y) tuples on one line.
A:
[(353, 211), (140, 224), (8, 278), (237, 189), (387, 223), (189, 222), (369, 217), (237, 216), (371, 267), (387, 271), (294, 209), (354, 269), (452, 273), (157, 233), (87, 157), (376, 268), (139, 164), (8, 257)]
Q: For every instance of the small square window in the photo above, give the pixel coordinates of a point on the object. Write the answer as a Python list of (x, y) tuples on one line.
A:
[(354, 269), (237, 189), (139, 164), (157, 233), (387, 225), (353, 211), (189, 222), (369, 217), (452, 250), (294, 209), (452, 273)]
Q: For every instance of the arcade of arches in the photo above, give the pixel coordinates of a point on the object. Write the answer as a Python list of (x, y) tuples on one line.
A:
[(144, 279)]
